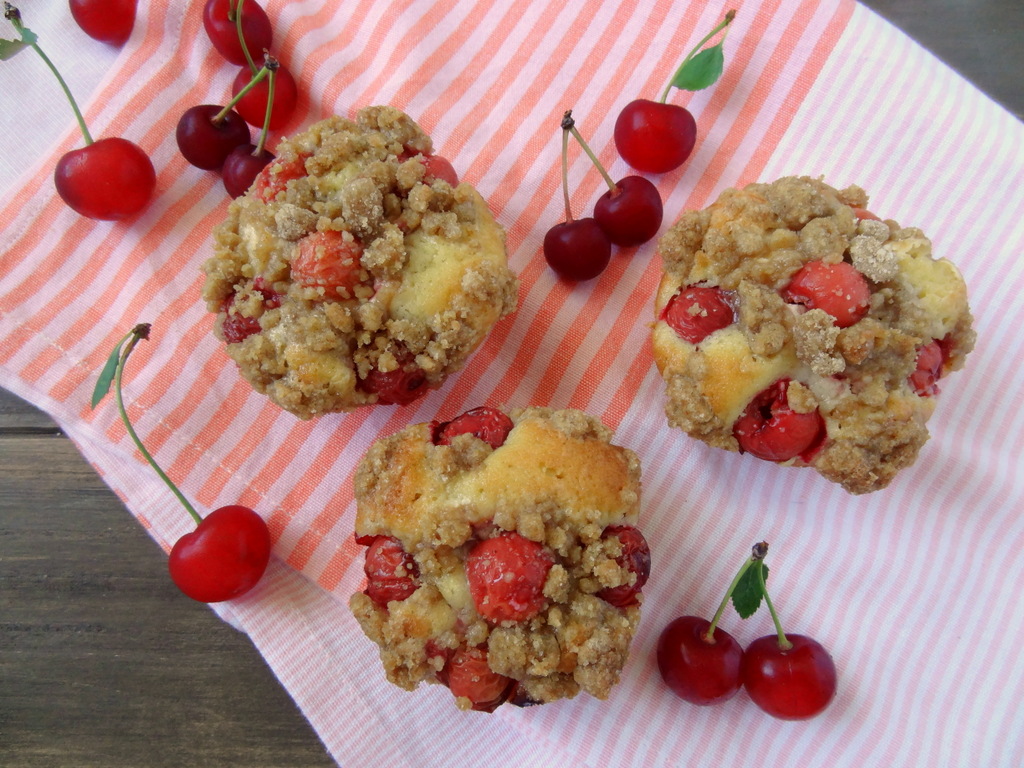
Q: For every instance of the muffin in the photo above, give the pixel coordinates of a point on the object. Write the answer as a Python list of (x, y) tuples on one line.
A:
[(356, 270), (794, 325), (503, 558)]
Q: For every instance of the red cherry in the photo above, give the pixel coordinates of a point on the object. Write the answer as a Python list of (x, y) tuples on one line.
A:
[(506, 577), (237, 327), (402, 386), (695, 312), (223, 557), (636, 556), (330, 261), (631, 215), (253, 106), (205, 143), (110, 179), (838, 289), (698, 669), (489, 424), (439, 168), (274, 179), (219, 21), (391, 572), (109, 21), (655, 137), (793, 683), (243, 167), (930, 359), (469, 676), (771, 430), (864, 213), (577, 249)]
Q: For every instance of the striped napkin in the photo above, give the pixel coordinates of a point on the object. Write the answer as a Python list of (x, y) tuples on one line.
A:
[(914, 589)]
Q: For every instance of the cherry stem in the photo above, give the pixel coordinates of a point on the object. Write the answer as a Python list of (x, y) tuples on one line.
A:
[(28, 37), (256, 80), (722, 25), (569, 124), (137, 333), (270, 107), (784, 643), (757, 554), (241, 37), (565, 164)]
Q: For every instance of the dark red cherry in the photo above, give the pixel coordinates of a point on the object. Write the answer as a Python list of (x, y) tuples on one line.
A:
[(205, 142), (241, 167), (577, 249), (794, 683), (655, 137), (630, 215), (697, 668), (219, 21)]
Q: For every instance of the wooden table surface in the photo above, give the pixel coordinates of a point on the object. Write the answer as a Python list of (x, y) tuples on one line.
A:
[(104, 663)]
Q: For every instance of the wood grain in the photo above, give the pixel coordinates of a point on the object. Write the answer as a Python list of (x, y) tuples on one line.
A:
[(104, 663)]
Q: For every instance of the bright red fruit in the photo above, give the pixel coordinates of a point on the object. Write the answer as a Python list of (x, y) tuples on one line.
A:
[(238, 327), (630, 215), (506, 577), (253, 106), (391, 572), (223, 557), (655, 137), (206, 143), (838, 289), (793, 683), (242, 167), (697, 311), (439, 168), (771, 430), (489, 424), (402, 386), (219, 21), (110, 179), (274, 178), (636, 556), (469, 675), (330, 261), (577, 249), (930, 360), (109, 21), (698, 669)]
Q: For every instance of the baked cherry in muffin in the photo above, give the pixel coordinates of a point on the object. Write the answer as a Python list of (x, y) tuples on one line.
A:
[(356, 270), (503, 556), (795, 325)]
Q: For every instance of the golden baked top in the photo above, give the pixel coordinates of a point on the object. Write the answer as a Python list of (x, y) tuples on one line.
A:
[(356, 270)]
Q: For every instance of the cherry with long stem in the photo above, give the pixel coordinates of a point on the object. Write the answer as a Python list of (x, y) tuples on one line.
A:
[(228, 552), (245, 162), (630, 212), (576, 249), (107, 179), (657, 137)]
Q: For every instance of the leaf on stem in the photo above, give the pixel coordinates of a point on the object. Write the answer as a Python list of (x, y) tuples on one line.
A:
[(702, 70), (746, 597), (11, 48), (106, 376)]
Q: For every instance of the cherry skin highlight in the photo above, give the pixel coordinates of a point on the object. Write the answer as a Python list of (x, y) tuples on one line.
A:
[(506, 577), (253, 106), (771, 430), (655, 137), (697, 311), (223, 557), (223, 32), (391, 572), (489, 424), (111, 179), (577, 249), (631, 214), (697, 669), (242, 168), (838, 289), (791, 684), (635, 557), (109, 21), (468, 675), (206, 143)]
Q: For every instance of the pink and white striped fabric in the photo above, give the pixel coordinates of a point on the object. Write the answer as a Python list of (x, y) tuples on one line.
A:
[(915, 589)]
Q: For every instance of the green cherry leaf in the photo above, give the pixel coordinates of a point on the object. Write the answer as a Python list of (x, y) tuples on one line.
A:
[(746, 598), (106, 376), (11, 48), (701, 71)]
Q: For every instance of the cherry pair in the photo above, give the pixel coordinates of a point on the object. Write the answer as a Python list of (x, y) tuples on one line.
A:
[(791, 677)]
